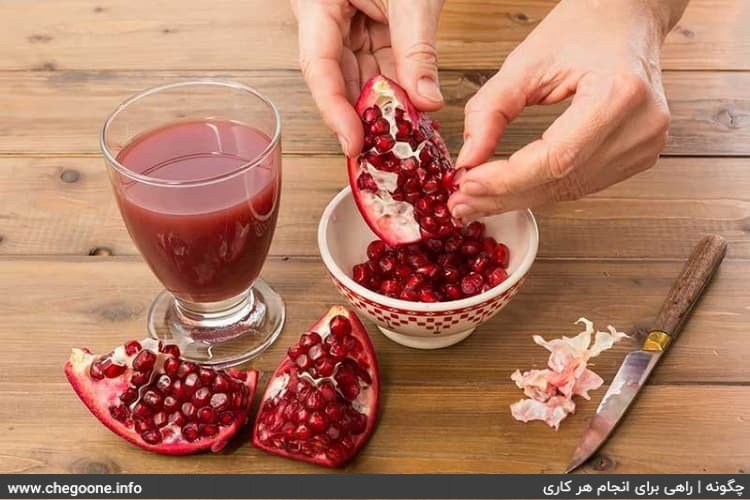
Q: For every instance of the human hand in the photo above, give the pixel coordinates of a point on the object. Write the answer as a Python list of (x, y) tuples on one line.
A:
[(343, 43), (606, 54)]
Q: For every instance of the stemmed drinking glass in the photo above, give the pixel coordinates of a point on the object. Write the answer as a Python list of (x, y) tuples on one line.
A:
[(196, 170)]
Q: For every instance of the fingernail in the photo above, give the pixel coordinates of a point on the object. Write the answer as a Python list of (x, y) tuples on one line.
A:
[(461, 211), (463, 153), (429, 89), (344, 145), (473, 188)]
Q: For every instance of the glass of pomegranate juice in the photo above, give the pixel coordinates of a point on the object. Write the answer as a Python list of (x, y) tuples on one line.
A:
[(196, 171)]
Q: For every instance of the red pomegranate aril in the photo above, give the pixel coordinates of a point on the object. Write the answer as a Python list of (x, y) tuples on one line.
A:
[(496, 276), (132, 347), (295, 412), (410, 295), (380, 127), (402, 272), (423, 206), (453, 292), (371, 114), (474, 230), (140, 378), (428, 296), (470, 248), (309, 339), (326, 367), (164, 383), (390, 288), (430, 271), (111, 369), (144, 361), (472, 284), (119, 413), (129, 396), (170, 403), (361, 273), (367, 183), (190, 432), (303, 361), (451, 274), (171, 366), (96, 370), (152, 399), (502, 255), (387, 264), (480, 263), (206, 375), (186, 369), (414, 282), (208, 430), (340, 326), (202, 396), (384, 143), (489, 244), (152, 437), (206, 415)]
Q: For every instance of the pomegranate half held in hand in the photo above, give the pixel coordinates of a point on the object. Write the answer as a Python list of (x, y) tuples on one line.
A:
[(403, 177), (321, 403), (144, 393)]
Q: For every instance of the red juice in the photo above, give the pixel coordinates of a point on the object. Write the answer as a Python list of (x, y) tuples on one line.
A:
[(207, 238)]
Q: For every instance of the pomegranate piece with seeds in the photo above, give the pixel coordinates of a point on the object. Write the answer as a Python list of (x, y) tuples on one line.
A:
[(321, 403), (402, 179), (457, 265), (145, 394)]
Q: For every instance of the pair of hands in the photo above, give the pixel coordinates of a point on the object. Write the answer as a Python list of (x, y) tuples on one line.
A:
[(604, 54)]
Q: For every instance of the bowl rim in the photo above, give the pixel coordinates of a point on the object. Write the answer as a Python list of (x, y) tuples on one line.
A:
[(342, 277)]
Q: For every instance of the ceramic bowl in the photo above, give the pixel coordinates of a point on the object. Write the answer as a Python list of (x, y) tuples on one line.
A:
[(343, 237)]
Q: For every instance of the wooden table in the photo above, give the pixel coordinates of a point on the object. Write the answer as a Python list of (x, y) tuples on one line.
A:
[(70, 276)]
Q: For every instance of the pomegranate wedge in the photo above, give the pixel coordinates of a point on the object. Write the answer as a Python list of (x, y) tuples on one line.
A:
[(321, 403), (402, 179), (145, 394)]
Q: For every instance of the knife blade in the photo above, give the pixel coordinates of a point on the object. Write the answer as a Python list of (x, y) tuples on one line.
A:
[(638, 365)]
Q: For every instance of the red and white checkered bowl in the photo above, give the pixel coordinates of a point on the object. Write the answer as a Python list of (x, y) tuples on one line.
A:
[(343, 237)]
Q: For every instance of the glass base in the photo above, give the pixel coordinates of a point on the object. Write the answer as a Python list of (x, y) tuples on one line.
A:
[(220, 334)]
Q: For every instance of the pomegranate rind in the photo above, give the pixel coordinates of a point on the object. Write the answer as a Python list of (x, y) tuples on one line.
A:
[(373, 403), (93, 397), (384, 226)]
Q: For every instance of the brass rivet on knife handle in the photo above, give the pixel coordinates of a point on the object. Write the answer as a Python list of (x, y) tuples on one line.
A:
[(695, 275), (657, 341)]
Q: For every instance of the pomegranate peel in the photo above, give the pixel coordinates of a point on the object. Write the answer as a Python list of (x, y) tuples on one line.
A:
[(549, 392), (321, 403), (149, 398), (402, 179)]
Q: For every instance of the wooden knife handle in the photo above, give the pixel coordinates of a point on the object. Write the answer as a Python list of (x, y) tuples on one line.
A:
[(695, 275)]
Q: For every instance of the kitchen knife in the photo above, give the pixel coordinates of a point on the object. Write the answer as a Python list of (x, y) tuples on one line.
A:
[(637, 365)]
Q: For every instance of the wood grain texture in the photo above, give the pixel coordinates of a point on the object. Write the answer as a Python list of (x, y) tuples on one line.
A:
[(438, 429), (140, 34), (101, 301), (64, 206), (62, 111), (694, 278)]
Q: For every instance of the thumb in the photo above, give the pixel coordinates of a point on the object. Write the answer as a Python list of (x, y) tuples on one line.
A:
[(413, 28)]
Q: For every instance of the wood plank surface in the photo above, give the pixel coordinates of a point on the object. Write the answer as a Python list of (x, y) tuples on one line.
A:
[(422, 429), (64, 206), (101, 301), (611, 257), (257, 34), (62, 111)]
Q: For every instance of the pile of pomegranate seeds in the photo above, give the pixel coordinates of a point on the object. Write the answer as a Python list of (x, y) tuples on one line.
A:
[(403, 178), (145, 393), (461, 264), (321, 403)]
